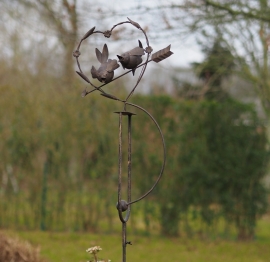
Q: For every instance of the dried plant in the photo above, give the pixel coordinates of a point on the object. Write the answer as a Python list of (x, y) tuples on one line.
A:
[(94, 250), (15, 250)]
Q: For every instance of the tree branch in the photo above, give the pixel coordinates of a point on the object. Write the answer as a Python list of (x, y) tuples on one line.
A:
[(251, 15)]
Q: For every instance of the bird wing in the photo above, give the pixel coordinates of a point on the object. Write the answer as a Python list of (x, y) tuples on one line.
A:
[(105, 53), (112, 65), (136, 51), (102, 57), (99, 55)]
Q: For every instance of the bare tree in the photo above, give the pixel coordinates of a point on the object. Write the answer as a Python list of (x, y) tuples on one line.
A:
[(62, 16), (245, 25)]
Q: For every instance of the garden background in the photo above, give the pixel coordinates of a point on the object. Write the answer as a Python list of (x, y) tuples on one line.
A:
[(58, 160)]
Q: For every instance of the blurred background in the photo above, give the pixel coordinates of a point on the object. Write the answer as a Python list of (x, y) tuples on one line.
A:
[(58, 160)]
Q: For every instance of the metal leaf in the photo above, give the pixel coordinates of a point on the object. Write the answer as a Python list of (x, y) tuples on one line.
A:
[(83, 76), (110, 96), (162, 54), (90, 32), (134, 23), (84, 93)]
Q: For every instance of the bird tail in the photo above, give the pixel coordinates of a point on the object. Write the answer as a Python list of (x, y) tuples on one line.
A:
[(94, 72)]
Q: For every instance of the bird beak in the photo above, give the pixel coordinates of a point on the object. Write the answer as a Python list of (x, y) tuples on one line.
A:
[(120, 57)]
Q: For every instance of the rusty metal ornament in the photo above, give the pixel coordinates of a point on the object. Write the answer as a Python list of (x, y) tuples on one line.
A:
[(105, 74), (132, 58)]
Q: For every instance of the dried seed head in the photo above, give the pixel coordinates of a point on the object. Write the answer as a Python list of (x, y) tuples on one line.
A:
[(93, 250)]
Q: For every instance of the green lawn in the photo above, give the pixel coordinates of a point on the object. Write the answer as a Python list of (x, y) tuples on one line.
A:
[(70, 247)]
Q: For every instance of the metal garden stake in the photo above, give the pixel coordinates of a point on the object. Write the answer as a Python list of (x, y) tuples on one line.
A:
[(131, 60)]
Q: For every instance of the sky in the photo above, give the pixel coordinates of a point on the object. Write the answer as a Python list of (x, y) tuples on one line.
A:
[(185, 49), (33, 33)]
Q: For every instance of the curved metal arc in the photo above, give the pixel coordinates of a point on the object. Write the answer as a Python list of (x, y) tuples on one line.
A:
[(121, 23), (164, 154), (124, 220)]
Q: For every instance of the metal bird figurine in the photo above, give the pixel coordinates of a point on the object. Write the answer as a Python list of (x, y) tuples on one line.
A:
[(105, 72), (132, 58)]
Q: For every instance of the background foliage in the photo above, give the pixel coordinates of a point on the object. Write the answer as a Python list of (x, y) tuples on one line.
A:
[(59, 150), (58, 162)]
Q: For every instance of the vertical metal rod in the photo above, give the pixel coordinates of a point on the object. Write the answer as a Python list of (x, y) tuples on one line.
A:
[(119, 187), (129, 159), (120, 159), (119, 206), (124, 240), (128, 188)]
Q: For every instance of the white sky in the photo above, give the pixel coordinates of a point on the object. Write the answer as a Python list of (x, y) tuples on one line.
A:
[(185, 49)]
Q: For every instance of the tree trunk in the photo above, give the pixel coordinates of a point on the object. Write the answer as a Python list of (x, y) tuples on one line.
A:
[(68, 63)]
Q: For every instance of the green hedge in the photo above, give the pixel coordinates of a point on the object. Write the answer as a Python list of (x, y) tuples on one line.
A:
[(59, 162)]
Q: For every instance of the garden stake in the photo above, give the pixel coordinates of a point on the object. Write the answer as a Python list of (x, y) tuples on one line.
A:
[(130, 60)]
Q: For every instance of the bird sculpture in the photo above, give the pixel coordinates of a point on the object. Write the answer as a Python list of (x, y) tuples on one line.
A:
[(132, 58), (105, 72)]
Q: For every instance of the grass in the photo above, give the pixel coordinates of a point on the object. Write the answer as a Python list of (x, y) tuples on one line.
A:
[(70, 247)]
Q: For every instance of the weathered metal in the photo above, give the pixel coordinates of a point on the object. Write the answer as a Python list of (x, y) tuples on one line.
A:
[(162, 54), (132, 58), (105, 74)]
